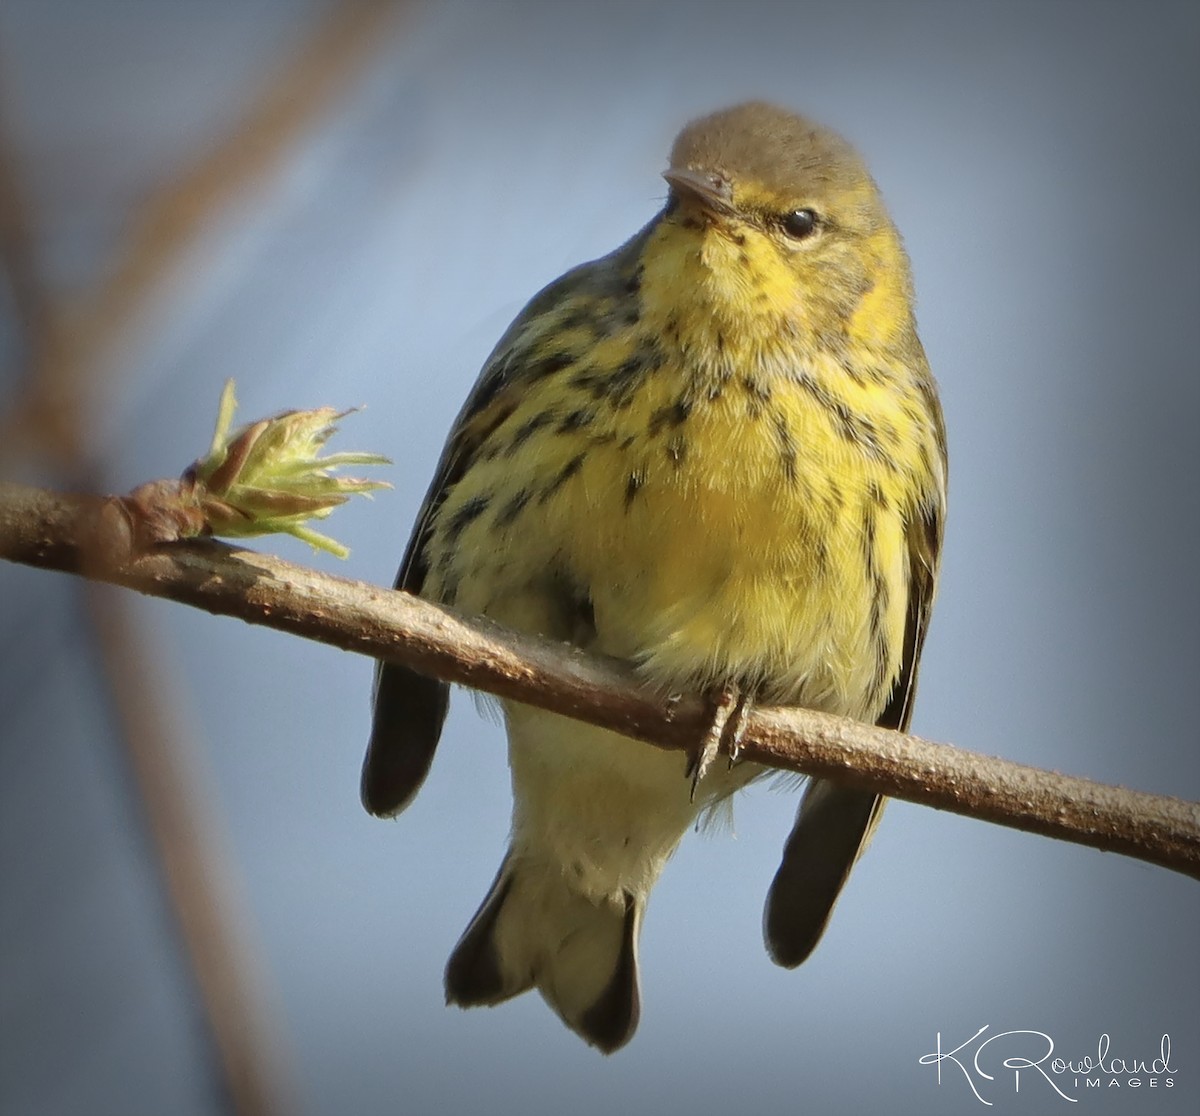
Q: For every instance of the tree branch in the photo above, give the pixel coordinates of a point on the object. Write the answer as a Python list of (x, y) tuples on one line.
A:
[(59, 532)]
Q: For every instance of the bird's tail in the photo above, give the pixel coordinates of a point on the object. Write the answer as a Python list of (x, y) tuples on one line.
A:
[(533, 930)]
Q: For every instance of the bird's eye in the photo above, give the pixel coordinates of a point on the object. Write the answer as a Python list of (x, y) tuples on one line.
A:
[(800, 223)]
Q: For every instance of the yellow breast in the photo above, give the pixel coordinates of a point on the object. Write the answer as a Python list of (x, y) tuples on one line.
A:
[(736, 532), (709, 487)]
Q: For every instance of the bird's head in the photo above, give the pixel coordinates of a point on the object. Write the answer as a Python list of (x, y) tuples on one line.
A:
[(774, 222)]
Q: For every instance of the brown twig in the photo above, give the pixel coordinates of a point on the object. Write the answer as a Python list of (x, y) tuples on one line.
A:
[(44, 529)]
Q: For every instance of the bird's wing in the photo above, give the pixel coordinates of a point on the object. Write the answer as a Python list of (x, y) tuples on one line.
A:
[(410, 708), (924, 551), (835, 822)]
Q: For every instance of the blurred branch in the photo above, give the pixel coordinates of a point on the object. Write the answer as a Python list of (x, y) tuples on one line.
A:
[(63, 391), (200, 880), (46, 529), (63, 386), (17, 253)]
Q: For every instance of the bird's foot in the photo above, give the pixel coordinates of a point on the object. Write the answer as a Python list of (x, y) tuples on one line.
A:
[(727, 727), (736, 730)]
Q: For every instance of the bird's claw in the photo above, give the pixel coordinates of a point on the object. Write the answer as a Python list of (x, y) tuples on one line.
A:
[(737, 729), (728, 725)]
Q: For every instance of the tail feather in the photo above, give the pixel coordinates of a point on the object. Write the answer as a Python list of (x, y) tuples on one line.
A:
[(581, 954), (601, 954), (833, 826), (475, 976)]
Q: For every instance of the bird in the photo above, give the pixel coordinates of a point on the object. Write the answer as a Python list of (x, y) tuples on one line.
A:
[(718, 455)]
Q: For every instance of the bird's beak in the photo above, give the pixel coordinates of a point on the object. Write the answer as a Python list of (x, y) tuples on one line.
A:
[(711, 191)]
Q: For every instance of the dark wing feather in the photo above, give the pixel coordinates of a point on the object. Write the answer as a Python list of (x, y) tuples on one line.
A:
[(834, 822), (409, 707), (924, 549)]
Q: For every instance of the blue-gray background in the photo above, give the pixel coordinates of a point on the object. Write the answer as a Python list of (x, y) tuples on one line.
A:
[(1042, 161)]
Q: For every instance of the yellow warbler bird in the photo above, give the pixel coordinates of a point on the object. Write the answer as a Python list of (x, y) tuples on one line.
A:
[(718, 455)]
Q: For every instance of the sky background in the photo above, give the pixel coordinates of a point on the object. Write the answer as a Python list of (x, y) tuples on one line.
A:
[(1041, 161)]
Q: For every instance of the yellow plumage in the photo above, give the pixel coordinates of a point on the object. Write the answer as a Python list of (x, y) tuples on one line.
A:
[(720, 564), (717, 454)]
